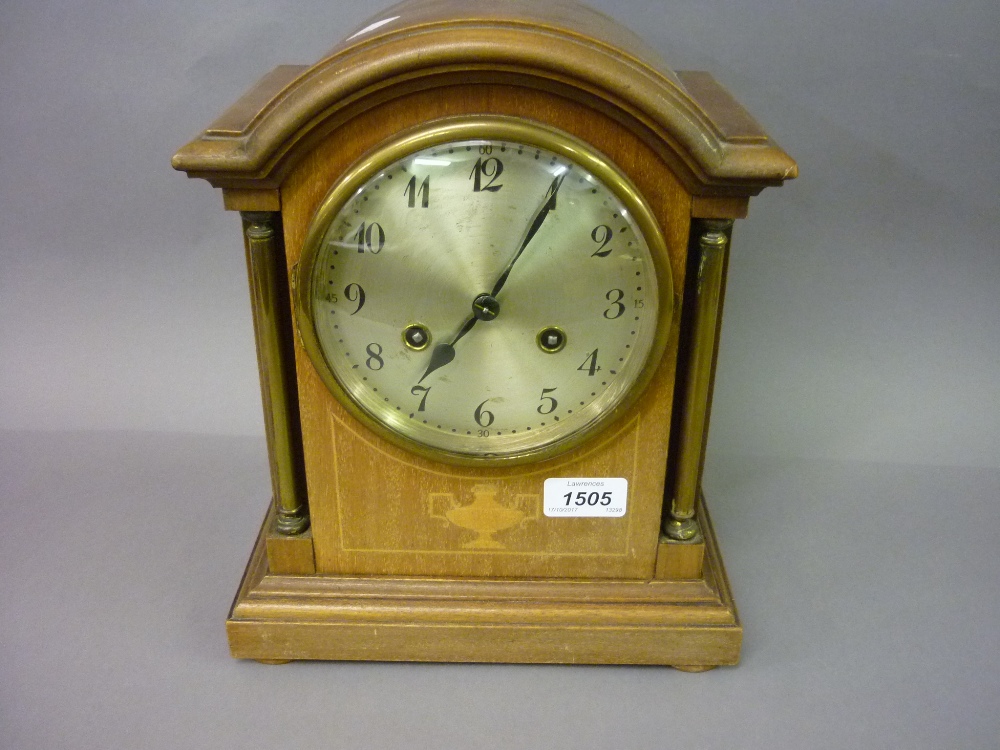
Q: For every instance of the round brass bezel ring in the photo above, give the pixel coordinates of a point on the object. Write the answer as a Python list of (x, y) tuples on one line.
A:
[(484, 127)]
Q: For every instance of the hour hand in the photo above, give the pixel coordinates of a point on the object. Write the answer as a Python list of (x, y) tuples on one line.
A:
[(484, 307), (442, 355), (445, 353)]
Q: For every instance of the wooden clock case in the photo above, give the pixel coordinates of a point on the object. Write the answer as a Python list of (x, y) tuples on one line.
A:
[(370, 551)]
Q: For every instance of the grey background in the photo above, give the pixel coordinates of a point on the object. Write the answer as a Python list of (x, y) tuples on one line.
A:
[(854, 460)]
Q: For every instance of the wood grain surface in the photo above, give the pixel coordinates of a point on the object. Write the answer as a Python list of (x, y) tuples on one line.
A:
[(715, 146), (396, 576), (691, 624), (372, 504)]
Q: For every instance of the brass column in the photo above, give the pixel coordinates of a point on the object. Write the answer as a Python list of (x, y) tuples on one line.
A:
[(713, 248), (275, 358)]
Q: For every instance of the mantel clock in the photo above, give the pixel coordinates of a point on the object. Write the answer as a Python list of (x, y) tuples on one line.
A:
[(487, 247)]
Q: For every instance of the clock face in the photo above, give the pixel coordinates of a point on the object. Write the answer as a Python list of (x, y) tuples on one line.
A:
[(484, 290)]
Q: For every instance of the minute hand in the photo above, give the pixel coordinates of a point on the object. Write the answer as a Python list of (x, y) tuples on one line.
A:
[(444, 353), (547, 205)]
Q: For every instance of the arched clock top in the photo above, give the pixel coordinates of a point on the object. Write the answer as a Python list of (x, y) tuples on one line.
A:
[(714, 145), (487, 244)]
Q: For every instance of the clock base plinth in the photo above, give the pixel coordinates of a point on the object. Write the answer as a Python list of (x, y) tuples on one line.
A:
[(688, 623)]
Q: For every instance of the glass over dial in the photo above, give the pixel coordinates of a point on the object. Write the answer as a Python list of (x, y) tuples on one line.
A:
[(484, 290)]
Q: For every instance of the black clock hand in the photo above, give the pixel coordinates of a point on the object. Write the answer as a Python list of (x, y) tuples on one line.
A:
[(487, 309), (536, 223), (442, 355), (445, 353), (484, 307)]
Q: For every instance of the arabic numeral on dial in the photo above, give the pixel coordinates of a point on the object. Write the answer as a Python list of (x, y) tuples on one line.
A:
[(491, 169), (370, 237), (483, 417), (417, 390), (374, 361), (602, 235), (413, 192), (615, 297), (549, 404), (355, 293), (590, 365)]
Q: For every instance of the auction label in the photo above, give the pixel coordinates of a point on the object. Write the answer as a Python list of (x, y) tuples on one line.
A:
[(585, 498)]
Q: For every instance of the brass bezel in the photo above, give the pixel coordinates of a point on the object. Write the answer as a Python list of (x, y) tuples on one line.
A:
[(487, 127)]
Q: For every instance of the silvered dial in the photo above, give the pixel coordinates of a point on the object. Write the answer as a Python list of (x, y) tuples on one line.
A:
[(483, 292)]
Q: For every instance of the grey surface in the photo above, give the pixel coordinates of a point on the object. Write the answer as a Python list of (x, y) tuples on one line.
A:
[(862, 307), (870, 616), (855, 448)]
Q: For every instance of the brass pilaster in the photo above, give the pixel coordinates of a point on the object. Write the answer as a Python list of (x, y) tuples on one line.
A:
[(713, 248), (273, 329)]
